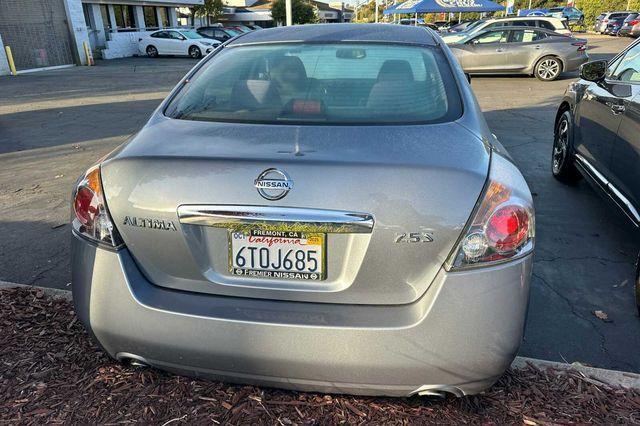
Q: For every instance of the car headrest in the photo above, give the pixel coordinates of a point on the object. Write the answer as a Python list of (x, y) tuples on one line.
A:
[(395, 69), (290, 64), (251, 94)]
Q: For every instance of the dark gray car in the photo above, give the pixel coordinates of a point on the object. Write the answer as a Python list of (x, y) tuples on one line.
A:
[(317, 207), (518, 50), (597, 130)]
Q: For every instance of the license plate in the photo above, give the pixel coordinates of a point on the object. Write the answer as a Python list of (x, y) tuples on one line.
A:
[(277, 254)]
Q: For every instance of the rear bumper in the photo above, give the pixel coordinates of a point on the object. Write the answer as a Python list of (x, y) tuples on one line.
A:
[(459, 337), (573, 63)]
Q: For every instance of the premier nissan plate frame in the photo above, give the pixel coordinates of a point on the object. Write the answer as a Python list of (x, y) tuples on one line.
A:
[(277, 254)]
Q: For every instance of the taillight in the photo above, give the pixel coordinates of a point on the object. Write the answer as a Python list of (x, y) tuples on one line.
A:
[(581, 45), (90, 216), (503, 223), (634, 22)]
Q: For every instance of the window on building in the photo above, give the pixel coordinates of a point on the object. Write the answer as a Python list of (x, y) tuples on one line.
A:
[(86, 10), (106, 20), (183, 16), (124, 16), (150, 17), (164, 16)]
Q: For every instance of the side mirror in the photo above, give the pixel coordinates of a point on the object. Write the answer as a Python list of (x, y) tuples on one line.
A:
[(594, 71)]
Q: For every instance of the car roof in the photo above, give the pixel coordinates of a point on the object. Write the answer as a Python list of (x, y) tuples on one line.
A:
[(517, 27), (332, 33), (521, 18)]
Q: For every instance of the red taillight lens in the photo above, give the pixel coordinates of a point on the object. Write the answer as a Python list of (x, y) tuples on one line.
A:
[(634, 22), (507, 228), (85, 205), (502, 226), (91, 218)]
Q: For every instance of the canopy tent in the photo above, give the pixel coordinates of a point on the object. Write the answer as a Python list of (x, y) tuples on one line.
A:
[(443, 6)]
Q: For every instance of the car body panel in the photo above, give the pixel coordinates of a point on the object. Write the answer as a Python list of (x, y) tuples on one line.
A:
[(387, 350), (605, 141), (597, 126), (393, 317), (517, 57), (631, 25), (602, 20), (175, 46), (223, 160), (532, 21), (625, 162), (569, 13)]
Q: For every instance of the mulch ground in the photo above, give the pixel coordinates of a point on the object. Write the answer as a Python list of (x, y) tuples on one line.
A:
[(51, 372)]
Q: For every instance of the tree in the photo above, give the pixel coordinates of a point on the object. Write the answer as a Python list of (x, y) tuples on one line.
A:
[(212, 9), (303, 12)]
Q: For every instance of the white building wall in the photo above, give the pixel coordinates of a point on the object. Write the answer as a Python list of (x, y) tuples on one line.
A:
[(123, 45), (98, 32), (78, 28), (4, 64)]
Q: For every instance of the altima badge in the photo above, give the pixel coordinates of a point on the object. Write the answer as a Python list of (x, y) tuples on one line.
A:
[(273, 184)]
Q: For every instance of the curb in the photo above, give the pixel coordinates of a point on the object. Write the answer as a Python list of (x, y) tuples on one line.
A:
[(53, 292), (597, 376)]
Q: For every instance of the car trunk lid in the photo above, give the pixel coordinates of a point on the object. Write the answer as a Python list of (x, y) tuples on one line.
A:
[(405, 191)]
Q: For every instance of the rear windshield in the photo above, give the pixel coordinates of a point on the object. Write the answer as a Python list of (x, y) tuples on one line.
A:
[(321, 84)]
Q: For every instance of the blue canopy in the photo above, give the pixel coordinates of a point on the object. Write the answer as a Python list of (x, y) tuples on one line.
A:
[(439, 6)]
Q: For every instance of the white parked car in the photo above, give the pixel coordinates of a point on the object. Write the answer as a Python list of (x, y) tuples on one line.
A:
[(176, 42), (553, 24)]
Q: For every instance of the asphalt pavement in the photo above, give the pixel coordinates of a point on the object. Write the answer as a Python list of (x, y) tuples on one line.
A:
[(55, 124)]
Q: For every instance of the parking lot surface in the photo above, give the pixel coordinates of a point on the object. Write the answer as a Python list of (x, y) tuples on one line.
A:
[(53, 125)]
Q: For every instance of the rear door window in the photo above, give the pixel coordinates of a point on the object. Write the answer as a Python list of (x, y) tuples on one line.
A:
[(546, 24), (492, 37), (321, 84), (527, 36)]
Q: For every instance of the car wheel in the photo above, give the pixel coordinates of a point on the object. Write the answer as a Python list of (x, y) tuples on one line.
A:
[(152, 52), (562, 165), (194, 52), (548, 68)]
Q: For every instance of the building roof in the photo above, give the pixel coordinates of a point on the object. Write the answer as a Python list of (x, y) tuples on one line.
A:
[(323, 6), (329, 33), (260, 5)]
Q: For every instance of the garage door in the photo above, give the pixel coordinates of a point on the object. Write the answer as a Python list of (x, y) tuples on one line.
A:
[(36, 31)]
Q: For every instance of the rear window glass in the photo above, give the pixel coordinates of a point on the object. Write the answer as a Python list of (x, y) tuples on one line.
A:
[(321, 84)]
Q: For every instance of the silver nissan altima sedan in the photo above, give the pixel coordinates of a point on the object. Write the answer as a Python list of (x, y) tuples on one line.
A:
[(317, 207)]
